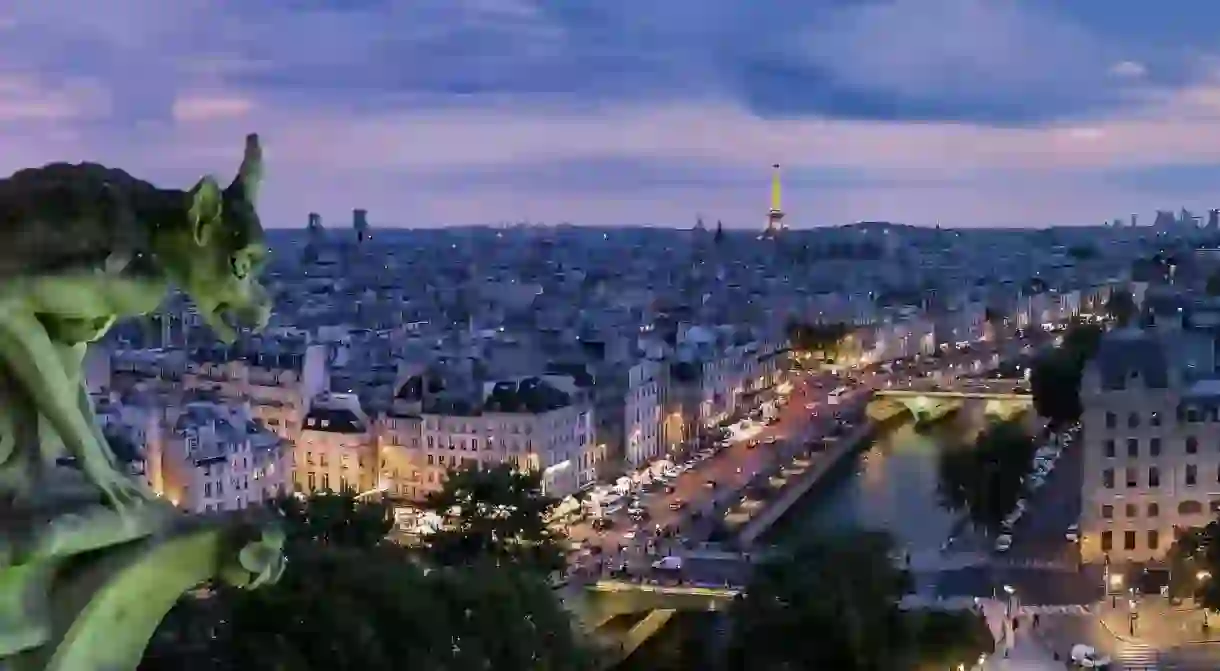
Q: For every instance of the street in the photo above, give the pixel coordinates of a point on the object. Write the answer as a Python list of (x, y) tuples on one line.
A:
[(1042, 563), (731, 469), (699, 496)]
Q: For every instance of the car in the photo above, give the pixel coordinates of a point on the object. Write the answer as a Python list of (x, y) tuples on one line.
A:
[(670, 563), (629, 534), (669, 489), (602, 523), (1003, 543), (1073, 533), (772, 440), (677, 504), (1087, 657), (710, 484)]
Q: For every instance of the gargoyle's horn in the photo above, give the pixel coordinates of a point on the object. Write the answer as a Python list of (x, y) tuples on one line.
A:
[(251, 171)]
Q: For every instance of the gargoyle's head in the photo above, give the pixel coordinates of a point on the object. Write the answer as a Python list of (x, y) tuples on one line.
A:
[(221, 272)]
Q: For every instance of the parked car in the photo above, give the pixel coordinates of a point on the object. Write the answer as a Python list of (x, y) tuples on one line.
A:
[(1087, 657), (1003, 543), (1073, 533)]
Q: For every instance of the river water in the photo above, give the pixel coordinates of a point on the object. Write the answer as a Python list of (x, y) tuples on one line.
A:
[(891, 485)]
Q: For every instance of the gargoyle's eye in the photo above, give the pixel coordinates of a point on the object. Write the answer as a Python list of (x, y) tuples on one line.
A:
[(240, 265)]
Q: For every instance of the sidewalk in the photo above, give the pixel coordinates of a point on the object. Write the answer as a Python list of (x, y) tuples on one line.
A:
[(1026, 653), (1159, 623)]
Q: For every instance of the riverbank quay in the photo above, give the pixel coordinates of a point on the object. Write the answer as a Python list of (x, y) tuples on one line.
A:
[(816, 468)]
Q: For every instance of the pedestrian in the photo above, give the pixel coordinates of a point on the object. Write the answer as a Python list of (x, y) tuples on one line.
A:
[(1037, 619)]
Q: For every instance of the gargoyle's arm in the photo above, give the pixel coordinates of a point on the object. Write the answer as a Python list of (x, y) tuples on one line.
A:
[(31, 357)]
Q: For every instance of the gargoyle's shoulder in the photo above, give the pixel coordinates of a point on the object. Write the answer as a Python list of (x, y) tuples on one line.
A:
[(76, 215), (77, 179)]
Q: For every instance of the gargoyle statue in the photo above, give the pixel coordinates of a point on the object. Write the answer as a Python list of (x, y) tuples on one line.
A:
[(82, 246)]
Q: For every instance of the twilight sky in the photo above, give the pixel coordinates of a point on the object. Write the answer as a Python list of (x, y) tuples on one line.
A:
[(433, 112)]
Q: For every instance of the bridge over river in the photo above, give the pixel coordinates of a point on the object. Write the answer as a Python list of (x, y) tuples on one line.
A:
[(891, 484), (710, 580), (929, 401)]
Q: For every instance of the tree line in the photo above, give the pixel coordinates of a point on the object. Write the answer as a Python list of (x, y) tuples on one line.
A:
[(475, 595), (1056, 375)]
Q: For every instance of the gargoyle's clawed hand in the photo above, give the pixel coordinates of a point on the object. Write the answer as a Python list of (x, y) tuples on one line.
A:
[(119, 490)]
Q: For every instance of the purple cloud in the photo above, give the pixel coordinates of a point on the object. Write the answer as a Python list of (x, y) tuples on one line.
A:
[(428, 112)]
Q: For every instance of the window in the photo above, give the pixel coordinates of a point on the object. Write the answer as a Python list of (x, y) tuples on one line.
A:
[(1192, 475), (1107, 541), (1107, 478), (1190, 508), (1128, 540), (1154, 539), (1111, 420), (1192, 445), (1132, 478), (1107, 512), (1133, 420), (1133, 447), (1154, 447), (1131, 510), (1109, 448), (1154, 477), (1154, 510)]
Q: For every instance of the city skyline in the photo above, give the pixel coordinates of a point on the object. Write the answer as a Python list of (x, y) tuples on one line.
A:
[(958, 112)]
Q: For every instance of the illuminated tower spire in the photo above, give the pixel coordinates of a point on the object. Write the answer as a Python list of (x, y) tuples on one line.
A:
[(775, 216)]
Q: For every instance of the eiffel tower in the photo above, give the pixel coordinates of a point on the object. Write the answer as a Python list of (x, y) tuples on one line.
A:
[(775, 216)]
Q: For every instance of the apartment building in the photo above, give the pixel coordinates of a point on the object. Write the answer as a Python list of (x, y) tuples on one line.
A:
[(202, 456), (336, 449), (1152, 433), (1140, 464), (642, 413), (399, 433), (231, 461), (278, 378), (542, 423)]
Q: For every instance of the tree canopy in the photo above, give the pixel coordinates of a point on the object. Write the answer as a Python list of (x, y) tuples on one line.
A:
[(986, 479), (1121, 306), (496, 514), (824, 338), (334, 519), (1056, 375), (1194, 565), (843, 590), (1213, 284), (350, 600), (948, 639)]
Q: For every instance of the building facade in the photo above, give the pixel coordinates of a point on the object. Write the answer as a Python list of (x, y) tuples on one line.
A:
[(642, 413)]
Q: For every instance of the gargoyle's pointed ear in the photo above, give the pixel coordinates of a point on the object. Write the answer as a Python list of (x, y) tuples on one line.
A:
[(250, 174), (205, 209)]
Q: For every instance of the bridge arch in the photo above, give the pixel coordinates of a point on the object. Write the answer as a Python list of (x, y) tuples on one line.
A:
[(604, 600)]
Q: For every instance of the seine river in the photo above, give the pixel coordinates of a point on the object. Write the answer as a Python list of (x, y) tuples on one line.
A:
[(892, 485)]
